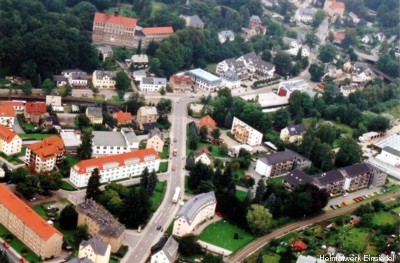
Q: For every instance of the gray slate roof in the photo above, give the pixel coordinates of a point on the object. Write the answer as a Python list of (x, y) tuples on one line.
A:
[(278, 157), (328, 178), (226, 34), (296, 129), (154, 81), (129, 135), (168, 245), (99, 246), (257, 61), (105, 49), (297, 177), (195, 21), (80, 260), (96, 112), (355, 169), (108, 138), (190, 209), (103, 73), (307, 11), (59, 78)]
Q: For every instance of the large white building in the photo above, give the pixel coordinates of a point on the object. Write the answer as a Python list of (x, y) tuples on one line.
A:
[(108, 142), (205, 80), (193, 212), (244, 133), (287, 87), (305, 14), (115, 167), (10, 142), (152, 84), (165, 251), (75, 77)]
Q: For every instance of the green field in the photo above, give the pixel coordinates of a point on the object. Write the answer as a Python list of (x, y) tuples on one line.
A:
[(395, 112), (34, 136), (67, 186), (40, 210), (241, 194), (158, 195), (163, 167), (211, 68), (277, 180), (165, 153), (346, 130), (72, 160), (355, 238), (221, 234), (396, 210), (384, 218)]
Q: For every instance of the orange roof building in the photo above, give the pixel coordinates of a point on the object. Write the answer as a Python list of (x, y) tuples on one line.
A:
[(43, 156), (123, 117), (115, 167), (339, 37), (299, 246), (167, 30), (34, 112), (10, 142), (208, 122), (42, 238), (181, 82), (332, 7), (7, 115), (17, 105)]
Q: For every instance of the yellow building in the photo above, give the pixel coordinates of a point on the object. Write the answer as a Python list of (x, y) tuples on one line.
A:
[(104, 79), (156, 143)]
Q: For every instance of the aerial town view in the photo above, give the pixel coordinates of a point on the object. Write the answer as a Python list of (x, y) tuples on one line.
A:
[(199, 131)]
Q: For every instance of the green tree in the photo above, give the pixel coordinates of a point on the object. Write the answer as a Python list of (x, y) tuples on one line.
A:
[(258, 218), (152, 183), (29, 188), (82, 121), (316, 71), (319, 16), (228, 120), (188, 245), (260, 258), (312, 39), (135, 209), (93, 187), (85, 11), (327, 53), (144, 178), (216, 133), (283, 63), (122, 81), (27, 87), (85, 148), (50, 182), (162, 91), (139, 48), (210, 258), (281, 119), (349, 153), (260, 191), (203, 133), (189, 161), (378, 124), (19, 175), (68, 217), (48, 86), (81, 233), (266, 55)]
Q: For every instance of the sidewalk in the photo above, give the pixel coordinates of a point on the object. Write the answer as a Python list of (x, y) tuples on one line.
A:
[(200, 228), (214, 249)]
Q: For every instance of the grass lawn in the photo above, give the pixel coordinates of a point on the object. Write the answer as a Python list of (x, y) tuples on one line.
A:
[(12, 158), (114, 260), (384, 218), (238, 173), (163, 167), (397, 210), (221, 234), (346, 130), (142, 145), (34, 136), (271, 258), (355, 237), (67, 186), (214, 149), (277, 180), (211, 68), (371, 250), (395, 112), (165, 153), (72, 160), (158, 195), (241, 194), (40, 210), (115, 99)]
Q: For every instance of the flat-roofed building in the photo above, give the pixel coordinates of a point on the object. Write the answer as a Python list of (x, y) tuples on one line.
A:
[(115, 167), (30, 228), (244, 133), (101, 222), (152, 84), (71, 140), (205, 80), (193, 212), (108, 142), (288, 87)]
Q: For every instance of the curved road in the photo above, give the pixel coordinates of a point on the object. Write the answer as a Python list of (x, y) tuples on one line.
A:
[(259, 243)]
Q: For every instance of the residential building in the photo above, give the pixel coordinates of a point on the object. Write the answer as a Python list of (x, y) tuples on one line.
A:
[(338, 38), (347, 90), (165, 251), (95, 115), (156, 34), (101, 222), (390, 155), (226, 35), (305, 15), (103, 79), (367, 39), (60, 80), (155, 142), (208, 122), (309, 259), (29, 227), (194, 212), (248, 33), (232, 64), (146, 115), (53, 100), (109, 142), (256, 24), (378, 176), (379, 36), (7, 115), (152, 84), (245, 133), (205, 80), (10, 142), (35, 112), (362, 72), (357, 176), (140, 60), (299, 246), (106, 51), (332, 181), (203, 155), (230, 80), (95, 249), (333, 8), (354, 18), (295, 178), (76, 78), (280, 162), (293, 133), (43, 156), (288, 87), (114, 30), (71, 140), (255, 65), (115, 167), (138, 75), (17, 105), (180, 82), (191, 21), (156, 131), (123, 117)]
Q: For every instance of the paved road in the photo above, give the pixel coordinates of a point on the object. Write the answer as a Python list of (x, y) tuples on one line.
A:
[(259, 243), (140, 244), (11, 256)]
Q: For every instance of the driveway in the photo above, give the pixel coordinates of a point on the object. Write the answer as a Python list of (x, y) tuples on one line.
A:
[(17, 127)]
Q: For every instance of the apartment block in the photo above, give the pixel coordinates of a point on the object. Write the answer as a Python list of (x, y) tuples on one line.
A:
[(245, 133), (10, 142)]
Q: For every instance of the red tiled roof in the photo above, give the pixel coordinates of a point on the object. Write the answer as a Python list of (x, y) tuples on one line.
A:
[(7, 111), (115, 19), (207, 121), (182, 79), (117, 158), (299, 246), (158, 30), (337, 5), (339, 36), (201, 151), (35, 107), (11, 103), (6, 134), (48, 147), (26, 214), (123, 117)]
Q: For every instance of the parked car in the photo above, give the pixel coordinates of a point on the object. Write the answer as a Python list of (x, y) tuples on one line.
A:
[(158, 227), (22, 260), (6, 245), (173, 168)]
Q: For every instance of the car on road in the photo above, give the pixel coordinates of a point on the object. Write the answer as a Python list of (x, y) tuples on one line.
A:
[(6, 245), (158, 227), (22, 260), (175, 139), (345, 194), (32, 199), (344, 203), (173, 168)]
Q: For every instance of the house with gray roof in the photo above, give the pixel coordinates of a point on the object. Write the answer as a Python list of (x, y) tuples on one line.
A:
[(295, 178), (280, 162), (331, 181), (226, 35), (152, 84), (165, 251), (76, 77), (95, 115), (60, 80), (305, 15), (193, 212), (204, 80), (191, 21), (95, 249), (105, 50), (357, 176), (293, 133), (108, 142), (230, 79)]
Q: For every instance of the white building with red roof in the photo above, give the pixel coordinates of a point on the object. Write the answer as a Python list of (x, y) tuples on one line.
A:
[(7, 116), (115, 167), (333, 7), (34, 112), (10, 142), (43, 156)]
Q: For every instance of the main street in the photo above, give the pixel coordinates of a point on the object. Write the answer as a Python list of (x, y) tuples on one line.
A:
[(140, 243), (259, 243)]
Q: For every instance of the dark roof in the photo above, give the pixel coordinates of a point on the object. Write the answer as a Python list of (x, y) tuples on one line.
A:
[(55, 119), (296, 129), (278, 157), (168, 245), (328, 178), (355, 169), (99, 246), (80, 260), (149, 126), (296, 177)]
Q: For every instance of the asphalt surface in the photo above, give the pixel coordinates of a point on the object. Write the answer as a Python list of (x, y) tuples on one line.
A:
[(259, 243), (10, 255)]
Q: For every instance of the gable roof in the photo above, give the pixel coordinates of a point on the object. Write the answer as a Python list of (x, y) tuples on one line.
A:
[(95, 112), (278, 157), (195, 21), (297, 177), (123, 116), (29, 217), (98, 246), (190, 209), (328, 178), (207, 121), (355, 169), (158, 30), (201, 151), (115, 19), (35, 107), (339, 36), (6, 134), (168, 245), (299, 245), (296, 129), (337, 5), (7, 111)]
